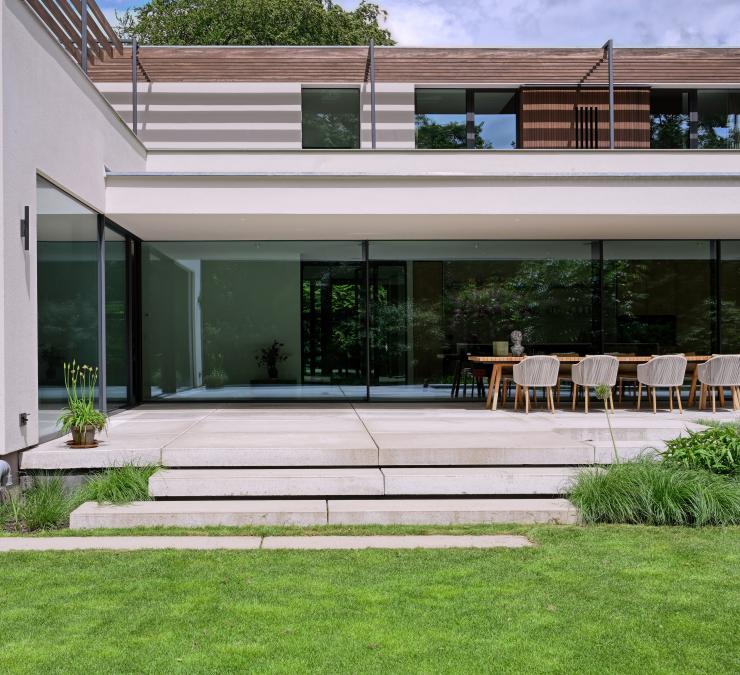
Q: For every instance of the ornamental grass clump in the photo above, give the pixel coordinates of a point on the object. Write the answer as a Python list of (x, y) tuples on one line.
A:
[(80, 416), (118, 485), (717, 450), (653, 493), (46, 505)]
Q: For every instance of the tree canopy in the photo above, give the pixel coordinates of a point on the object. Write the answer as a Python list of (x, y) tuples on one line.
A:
[(254, 22)]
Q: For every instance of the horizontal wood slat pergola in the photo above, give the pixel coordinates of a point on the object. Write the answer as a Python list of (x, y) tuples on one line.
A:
[(81, 28)]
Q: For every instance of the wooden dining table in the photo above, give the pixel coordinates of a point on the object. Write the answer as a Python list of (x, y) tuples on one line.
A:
[(498, 363)]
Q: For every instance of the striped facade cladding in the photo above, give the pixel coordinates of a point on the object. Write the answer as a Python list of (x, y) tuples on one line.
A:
[(248, 115), (548, 119)]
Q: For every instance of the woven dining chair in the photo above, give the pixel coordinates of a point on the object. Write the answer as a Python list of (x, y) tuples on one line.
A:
[(720, 371), (593, 371), (662, 371), (536, 371)]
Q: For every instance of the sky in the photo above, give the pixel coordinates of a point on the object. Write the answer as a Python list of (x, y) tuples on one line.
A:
[(553, 23)]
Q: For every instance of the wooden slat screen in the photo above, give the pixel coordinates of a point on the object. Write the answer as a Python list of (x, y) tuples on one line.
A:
[(549, 117), (63, 18)]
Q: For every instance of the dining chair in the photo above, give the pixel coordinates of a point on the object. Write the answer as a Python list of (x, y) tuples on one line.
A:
[(593, 371), (720, 371), (536, 371), (662, 371)]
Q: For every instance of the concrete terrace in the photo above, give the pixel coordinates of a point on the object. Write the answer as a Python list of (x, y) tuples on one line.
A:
[(362, 435)]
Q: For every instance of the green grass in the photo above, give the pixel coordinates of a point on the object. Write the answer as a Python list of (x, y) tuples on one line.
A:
[(118, 485), (651, 493), (613, 599), (46, 505)]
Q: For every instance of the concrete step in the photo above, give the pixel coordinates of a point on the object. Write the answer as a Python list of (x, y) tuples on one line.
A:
[(628, 430), (449, 511), (265, 482), (244, 512), (477, 480), (201, 513), (604, 450)]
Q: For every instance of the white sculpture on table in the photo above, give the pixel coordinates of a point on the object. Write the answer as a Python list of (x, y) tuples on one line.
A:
[(517, 349)]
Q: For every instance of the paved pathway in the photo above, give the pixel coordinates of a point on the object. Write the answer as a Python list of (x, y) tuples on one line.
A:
[(200, 543)]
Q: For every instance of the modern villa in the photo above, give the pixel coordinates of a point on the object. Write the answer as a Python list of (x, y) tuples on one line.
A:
[(236, 224)]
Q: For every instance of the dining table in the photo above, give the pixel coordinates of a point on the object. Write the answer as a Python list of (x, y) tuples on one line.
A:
[(499, 362)]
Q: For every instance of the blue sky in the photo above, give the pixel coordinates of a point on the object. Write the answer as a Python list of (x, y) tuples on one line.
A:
[(574, 23)]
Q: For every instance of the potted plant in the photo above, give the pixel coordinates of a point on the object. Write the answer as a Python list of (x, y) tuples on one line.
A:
[(80, 416), (216, 378), (269, 357)]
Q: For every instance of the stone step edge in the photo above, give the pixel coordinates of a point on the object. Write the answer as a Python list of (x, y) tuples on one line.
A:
[(307, 512)]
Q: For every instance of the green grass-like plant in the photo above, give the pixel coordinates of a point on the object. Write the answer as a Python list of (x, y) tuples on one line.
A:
[(80, 381), (46, 505), (118, 485), (653, 493), (717, 450)]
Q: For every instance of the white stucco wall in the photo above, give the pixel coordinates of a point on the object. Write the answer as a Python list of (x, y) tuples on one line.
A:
[(56, 123)]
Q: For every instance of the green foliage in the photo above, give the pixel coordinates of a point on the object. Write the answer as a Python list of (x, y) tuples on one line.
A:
[(254, 22), (80, 381), (431, 135), (652, 493), (46, 505), (118, 485), (716, 450)]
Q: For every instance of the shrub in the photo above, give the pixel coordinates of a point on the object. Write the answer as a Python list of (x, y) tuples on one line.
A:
[(717, 449), (653, 493), (118, 485), (46, 504)]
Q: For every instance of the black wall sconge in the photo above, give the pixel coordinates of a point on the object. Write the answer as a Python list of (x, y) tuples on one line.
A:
[(24, 227)]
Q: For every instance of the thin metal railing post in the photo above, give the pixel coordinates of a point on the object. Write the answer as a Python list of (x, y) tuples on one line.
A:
[(134, 85), (83, 35), (609, 46), (102, 342), (373, 133)]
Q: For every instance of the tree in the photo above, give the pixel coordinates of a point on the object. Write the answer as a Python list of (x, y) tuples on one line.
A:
[(432, 135), (253, 22)]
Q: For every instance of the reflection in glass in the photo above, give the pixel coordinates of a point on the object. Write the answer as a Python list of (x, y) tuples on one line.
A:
[(433, 300), (719, 119), (495, 119), (657, 297), (331, 118), (116, 320), (669, 119), (211, 308), (730, 294), (67, 294), (440, 119)]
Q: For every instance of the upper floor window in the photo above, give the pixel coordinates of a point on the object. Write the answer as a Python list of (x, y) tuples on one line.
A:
[(669, 119), (466, 118), (719, 119), (331, 118)]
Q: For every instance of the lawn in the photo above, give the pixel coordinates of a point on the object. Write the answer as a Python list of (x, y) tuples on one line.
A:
[(586, 599)]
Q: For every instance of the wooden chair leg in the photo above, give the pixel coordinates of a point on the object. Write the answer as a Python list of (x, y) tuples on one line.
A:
[(585, 396), (721, 396), (736, 398), (552, 400), (516, 397), (655, 403), (611, 400), (714, 399), (526, 400), (678, 400), (574, 396), (639, 395), (620, 390), (558, 393), (670, 398)]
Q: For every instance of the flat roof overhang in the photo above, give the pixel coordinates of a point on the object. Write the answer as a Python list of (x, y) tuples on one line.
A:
[(316, 205)]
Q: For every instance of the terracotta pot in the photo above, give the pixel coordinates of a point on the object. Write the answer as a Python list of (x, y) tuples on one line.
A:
[(84, 435)]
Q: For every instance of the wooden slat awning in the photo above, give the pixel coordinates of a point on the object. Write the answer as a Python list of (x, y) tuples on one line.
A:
[(64, 19), (643, 66)]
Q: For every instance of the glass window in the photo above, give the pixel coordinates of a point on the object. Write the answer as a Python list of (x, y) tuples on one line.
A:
[(246, 319), (331, 118), (658, 297), (730, 294), (495, 119), (116, 320), (67, 289), (432, 301), (719, 119), (669, 119), (440, 119)]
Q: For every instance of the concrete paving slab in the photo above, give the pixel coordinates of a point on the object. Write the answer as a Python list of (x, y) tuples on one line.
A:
[(463, 448), (397, 542), (266, 425), (269, 457), (449, 511), (200, 513), (64, 458), (277, 440), (477, 481), (604, 452), (139, 543), (265, 482)]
